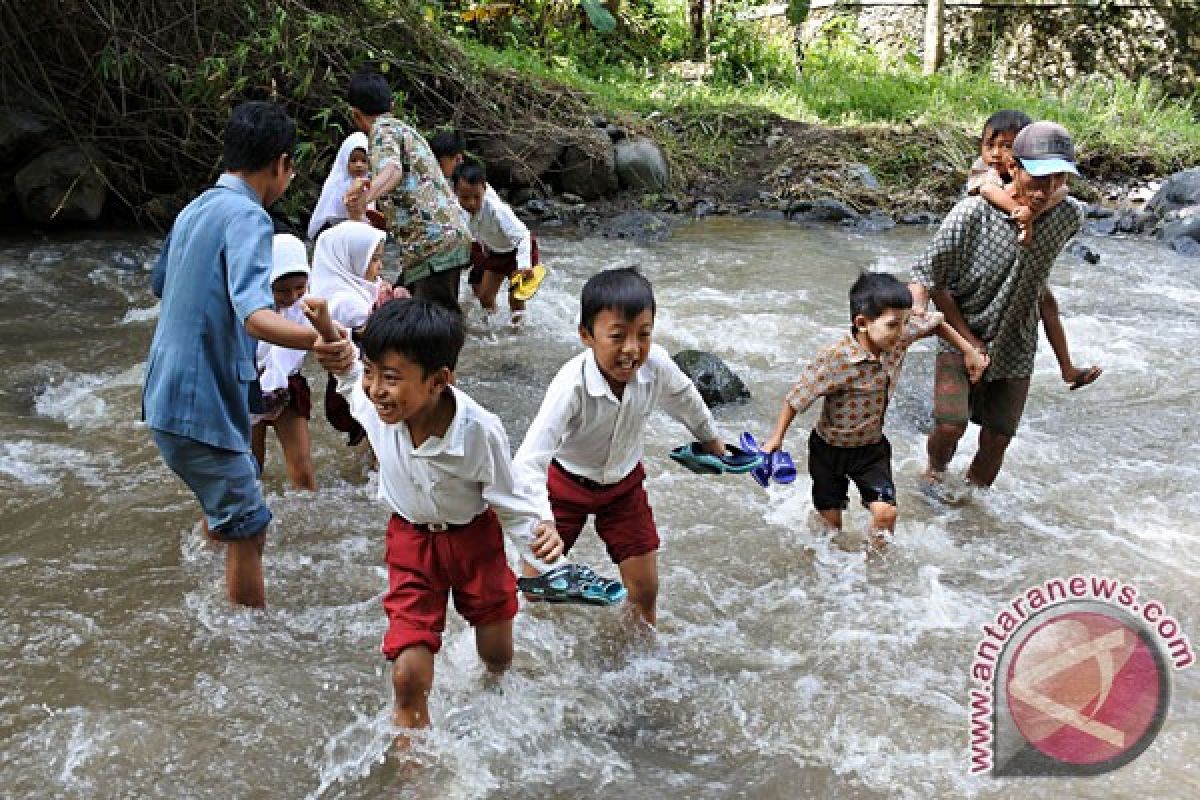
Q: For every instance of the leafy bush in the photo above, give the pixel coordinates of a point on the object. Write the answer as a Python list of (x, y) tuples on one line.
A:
[(743, 52)]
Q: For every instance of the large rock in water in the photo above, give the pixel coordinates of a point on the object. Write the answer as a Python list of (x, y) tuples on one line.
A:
[(588, 166), (641, 165), (63, 185), (1180, 190), (517, 159), (717, 383)]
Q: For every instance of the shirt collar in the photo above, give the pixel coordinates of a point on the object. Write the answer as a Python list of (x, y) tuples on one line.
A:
[(855, 353), (452, 443), (595, 382), (231, 181)]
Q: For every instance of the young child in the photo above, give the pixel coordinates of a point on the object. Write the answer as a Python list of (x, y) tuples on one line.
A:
[(857, 377), (446, 475), (214, 278), (583, 450), (503, 245), (415, 199), (449, 148), (349, 166), (347, 263), (991, 173), (287, 400)]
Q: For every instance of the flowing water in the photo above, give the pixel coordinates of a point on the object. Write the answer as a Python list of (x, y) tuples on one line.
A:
[(783, 666)]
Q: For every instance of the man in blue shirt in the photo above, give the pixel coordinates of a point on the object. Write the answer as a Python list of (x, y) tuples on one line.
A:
[(214, 280)]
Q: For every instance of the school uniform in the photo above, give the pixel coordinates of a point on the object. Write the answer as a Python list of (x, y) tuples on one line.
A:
[(503, 243), (582, 454), (449, 498)]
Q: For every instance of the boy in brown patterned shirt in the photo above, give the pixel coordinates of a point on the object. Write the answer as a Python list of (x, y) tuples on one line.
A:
[(857, 377)]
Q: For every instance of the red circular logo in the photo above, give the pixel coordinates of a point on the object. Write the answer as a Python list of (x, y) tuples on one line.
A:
[(1085, 688)]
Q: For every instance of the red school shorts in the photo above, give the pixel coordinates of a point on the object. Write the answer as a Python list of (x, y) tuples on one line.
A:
[(424, 567), (624, 520), (501, 263)]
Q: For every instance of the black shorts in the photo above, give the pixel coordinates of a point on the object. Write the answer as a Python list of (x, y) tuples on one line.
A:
[(832, 469)]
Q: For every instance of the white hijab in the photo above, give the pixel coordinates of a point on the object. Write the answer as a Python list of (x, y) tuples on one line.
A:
[(276, 363), (331, 204), (339, 263)]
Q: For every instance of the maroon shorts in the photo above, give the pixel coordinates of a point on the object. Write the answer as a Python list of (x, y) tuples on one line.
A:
[(337, 411), (423, 568), (624, 520), (501, 263), (299, 396)]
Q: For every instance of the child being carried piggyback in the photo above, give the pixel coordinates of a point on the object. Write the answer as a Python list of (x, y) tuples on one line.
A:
[(991, 173), (857, 377)]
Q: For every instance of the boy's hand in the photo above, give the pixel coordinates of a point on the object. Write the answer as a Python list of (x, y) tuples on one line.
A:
[(547, 545), (772, 444), (977, 363), (1023, 216), (1080, 377), (714, 447), (356, 199), (316, 311)]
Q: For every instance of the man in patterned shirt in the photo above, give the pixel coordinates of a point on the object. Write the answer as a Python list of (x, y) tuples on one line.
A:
[(409, 189), (857, 377), (993, 291)]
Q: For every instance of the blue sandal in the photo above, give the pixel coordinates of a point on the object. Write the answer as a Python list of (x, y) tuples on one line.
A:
[(573, 583), (735, 461), (777, 465)]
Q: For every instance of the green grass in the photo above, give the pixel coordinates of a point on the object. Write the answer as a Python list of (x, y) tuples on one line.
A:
[(1123, 125)]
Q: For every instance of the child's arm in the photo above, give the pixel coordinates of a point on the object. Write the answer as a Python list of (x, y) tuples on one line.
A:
[(1000, 198), (817, 379), (544, 437), (976, 360), (516, 231), (784, 421), (1052, 325), (519, 509), (682, 401)]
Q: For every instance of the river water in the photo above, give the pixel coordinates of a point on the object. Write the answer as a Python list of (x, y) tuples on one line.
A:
[(783, 667)]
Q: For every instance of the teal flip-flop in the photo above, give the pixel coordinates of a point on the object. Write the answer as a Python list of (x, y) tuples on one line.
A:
[(573, 583), (736, 461)]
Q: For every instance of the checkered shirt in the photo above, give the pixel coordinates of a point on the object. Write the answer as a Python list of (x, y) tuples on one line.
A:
[(995, 281)]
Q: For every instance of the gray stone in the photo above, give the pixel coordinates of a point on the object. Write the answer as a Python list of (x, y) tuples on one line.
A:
[(825, 209), (517, 159), (125, 262), (1100, 212), (919, 218), (874, 222), (716, 382), (1186, 245), (535, 206), (1181, 189), (639, 225), (703, 208), (22, 134), (1184, 222), (62, 185), (520, 197), (1081, 250), (641, 165), (588, 166), (1103, 227), (862, 173)]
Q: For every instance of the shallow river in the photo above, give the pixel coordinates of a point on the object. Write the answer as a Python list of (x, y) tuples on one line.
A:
[(783, 667)]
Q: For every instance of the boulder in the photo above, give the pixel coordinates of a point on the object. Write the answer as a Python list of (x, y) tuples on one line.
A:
[(1180, 190), (587, 166), (919, 218), (1186, 245), (825, 209), (62, 185), (874, 222), (22, 133), (717, 383), (641, 165), (1184, 222), (1100, 212), (517, 159), (643, 226), (1082, 251)]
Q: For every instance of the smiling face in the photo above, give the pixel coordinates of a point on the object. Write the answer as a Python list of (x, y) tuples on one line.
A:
[(621, 345), (287, 289), (358, 165), (1036, 192), (399, 389), (375, 267), (883, 332)]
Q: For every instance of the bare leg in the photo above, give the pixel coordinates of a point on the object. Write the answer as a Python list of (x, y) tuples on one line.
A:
[(258, 443), (640, 576), (832, 517), (489, 287), (494, 644), (243, 571), (883, 524), (516, 308), (292, 430), (990, 457), (412, 679), (943, 441)]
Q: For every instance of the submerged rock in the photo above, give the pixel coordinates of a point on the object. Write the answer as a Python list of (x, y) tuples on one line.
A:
[(873, 222), (825, 209), (1082, 251), (716, 382), (643, 226), (1186, 245), (1180, 190), (919, 218), (1184, 222)]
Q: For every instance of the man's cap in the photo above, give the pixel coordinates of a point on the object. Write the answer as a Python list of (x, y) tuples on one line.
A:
[(1045, 148), (288, 256)]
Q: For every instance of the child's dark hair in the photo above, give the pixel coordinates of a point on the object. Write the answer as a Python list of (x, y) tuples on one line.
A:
[(876, 292), (1007, 121), (423, 332), (447, 143), (471, 172), (256, 134), (369, 93), (624, 290)]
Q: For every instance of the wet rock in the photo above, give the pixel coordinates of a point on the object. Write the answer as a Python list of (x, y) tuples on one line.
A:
[(517, 159), (62, 185), (570, 199), (717, 383), (588, 166), (1180, 190), (1103, 227), (1133, 221), (1081, 250), (1100, 212), (1186, 245), (1184, 222), (862, 173), (520, 197), (919, 218), (703, 208), (873, 222), (534, 206), (22, 134), (823, 210), (643, 226), (641, 165), (125, 261)]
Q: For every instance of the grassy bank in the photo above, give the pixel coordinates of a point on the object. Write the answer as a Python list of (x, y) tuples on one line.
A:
[(1123, 129)]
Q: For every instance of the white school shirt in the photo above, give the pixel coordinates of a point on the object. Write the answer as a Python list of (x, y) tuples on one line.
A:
[(591, 433), (498, 229), (276, 364), (450, 479)]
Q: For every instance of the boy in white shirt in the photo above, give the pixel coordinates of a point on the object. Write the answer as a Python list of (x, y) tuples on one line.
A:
[(583, 450), (445, 472), (503, 245)]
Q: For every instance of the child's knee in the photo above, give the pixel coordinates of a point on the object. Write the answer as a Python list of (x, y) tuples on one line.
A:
[(412, 677), (883, 515), (950, 430)]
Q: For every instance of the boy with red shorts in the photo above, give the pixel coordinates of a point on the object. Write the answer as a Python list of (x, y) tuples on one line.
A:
[(584, 448), (445, 472)]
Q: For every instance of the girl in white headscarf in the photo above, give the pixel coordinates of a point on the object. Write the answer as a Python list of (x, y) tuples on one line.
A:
[(287, 399), (351, 164)]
